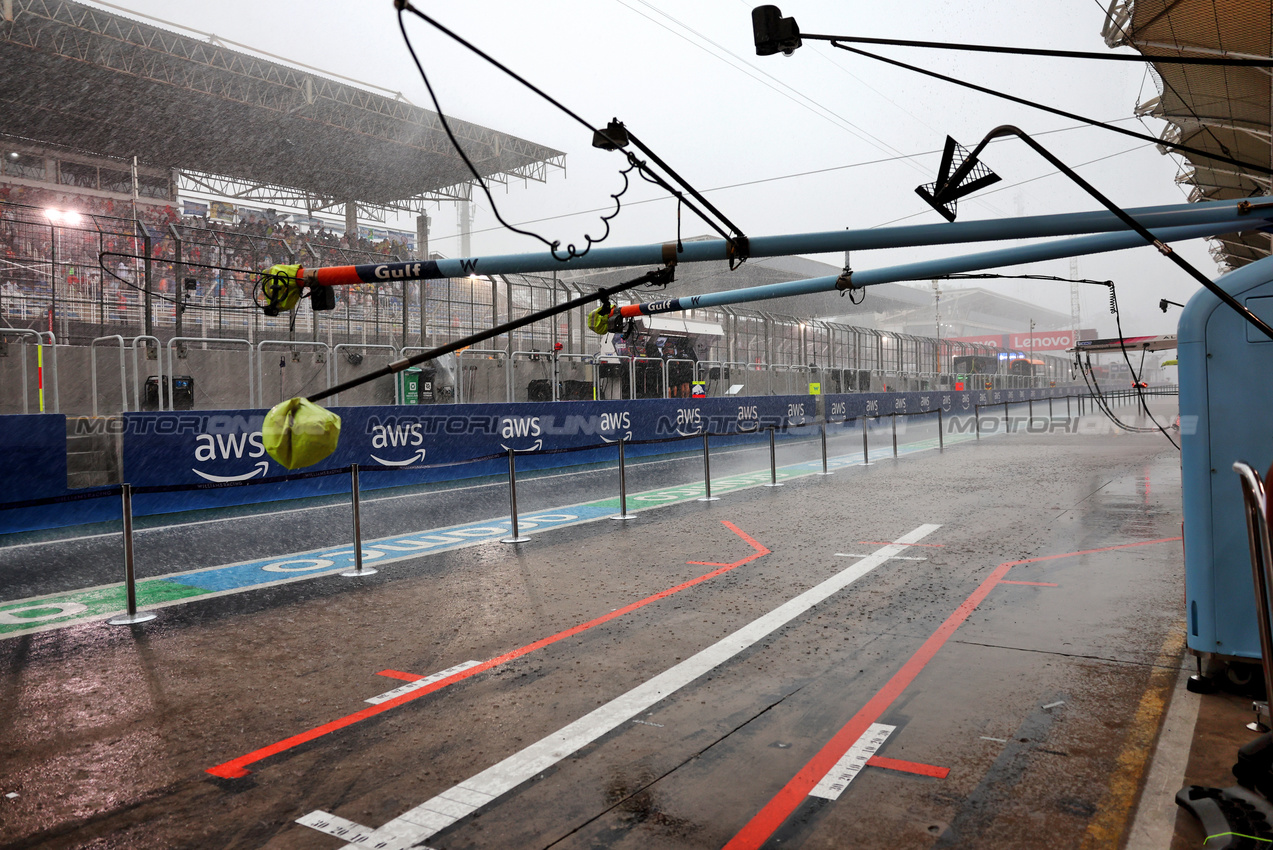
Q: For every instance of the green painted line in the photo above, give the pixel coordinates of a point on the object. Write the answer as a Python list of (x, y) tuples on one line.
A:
[(59, 610), (28, 615)]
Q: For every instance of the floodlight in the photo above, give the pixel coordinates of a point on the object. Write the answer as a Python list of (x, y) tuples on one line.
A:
[(773, 32)]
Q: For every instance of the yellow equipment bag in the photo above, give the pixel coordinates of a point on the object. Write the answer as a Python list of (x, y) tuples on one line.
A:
[(299, 433)]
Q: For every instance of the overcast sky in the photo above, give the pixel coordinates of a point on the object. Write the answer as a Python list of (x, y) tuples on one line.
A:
[(821, 140)]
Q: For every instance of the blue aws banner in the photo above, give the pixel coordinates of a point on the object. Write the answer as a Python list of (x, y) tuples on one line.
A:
[(852, 405), (220, 455)]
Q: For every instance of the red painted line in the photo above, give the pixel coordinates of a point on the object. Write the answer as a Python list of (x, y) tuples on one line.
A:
[(909, 766), (1091, 551), (237, 768), (893, 543), (765, 822), (398, 674), (759, 547), (768, 819), (1032, 583)]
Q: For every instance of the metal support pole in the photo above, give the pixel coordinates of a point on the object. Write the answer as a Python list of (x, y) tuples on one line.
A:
[(866, 458), (976, 413), (1030, 421), (1049, 407), (707, 474), (894, 434), (1007, 423), (130, 577), (941, 437), (1067, 405), (623, 488), (824, 450), (773, 460), (358, 569), (512, 500)]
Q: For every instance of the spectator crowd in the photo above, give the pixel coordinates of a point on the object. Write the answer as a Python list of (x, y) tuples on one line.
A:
[(43, 229)]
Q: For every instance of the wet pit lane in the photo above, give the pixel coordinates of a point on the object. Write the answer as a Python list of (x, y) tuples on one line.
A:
[(946, 650)]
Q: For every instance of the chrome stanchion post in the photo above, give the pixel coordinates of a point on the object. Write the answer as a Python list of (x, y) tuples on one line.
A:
[(130, 576), (866, 457), (824, 449), (894, 433), (773, 461), (941, 436), (512, 500), (359, 569), (623, 489), (707, 474), (1254, 497)]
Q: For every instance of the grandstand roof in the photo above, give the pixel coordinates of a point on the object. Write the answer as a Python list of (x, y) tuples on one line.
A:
[(1220, 109), (83, 78)]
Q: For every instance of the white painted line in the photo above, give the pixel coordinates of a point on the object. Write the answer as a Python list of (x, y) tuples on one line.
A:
[(844, 771), (895, 557), (337, 826), (420, 683), (435, 815)]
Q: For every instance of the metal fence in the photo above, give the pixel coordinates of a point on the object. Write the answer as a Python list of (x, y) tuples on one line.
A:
[(188, 286)]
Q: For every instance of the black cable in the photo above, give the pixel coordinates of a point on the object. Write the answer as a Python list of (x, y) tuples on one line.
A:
[(1140, 392), (1113, 302), (1034, 51), (1262, 169), (185, 305), (571, 250)]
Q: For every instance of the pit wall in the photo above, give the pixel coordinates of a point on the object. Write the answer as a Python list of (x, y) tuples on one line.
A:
[(209, 459)]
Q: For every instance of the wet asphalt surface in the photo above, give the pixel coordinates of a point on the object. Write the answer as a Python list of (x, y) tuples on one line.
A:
[(1031, 703)]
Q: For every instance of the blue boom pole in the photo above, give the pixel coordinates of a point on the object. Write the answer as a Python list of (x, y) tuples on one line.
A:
[(1245, 215), (928, 269)]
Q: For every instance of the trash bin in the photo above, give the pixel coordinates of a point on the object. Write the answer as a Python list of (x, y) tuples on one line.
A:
[(417, 385), (182, 392), (150, 394), (428, 386), (181, 398), (409, 385)]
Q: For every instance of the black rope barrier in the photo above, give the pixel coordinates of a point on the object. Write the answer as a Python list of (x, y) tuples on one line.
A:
[(115, 490)]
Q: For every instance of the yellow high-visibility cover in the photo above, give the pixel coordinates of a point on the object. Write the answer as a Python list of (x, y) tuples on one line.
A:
[(299, 433), (280, 287)]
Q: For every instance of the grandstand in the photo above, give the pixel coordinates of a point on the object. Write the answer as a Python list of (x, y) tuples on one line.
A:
[(196, 110)]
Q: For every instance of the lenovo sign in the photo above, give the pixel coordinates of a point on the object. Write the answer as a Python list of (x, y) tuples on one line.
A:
[(1042, 341), (1037, 341)]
